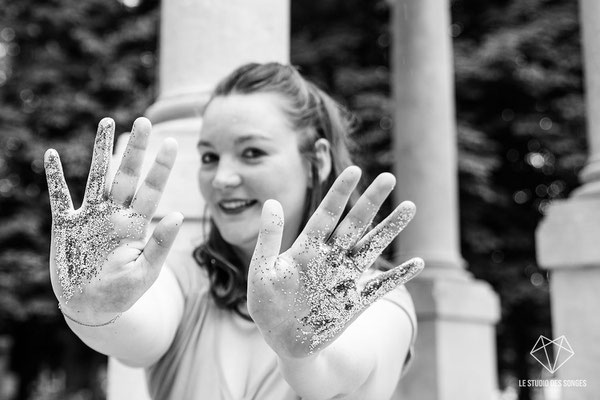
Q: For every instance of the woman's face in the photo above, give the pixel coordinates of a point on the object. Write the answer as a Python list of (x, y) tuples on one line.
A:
[(249, 154)]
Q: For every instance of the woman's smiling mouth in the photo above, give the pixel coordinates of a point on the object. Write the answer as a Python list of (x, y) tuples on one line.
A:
[(235, 206)]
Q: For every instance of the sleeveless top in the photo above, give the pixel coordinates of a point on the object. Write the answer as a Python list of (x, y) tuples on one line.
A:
[(216, 353)]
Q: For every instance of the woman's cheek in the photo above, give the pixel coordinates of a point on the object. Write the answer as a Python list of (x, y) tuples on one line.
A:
[(203, 183)]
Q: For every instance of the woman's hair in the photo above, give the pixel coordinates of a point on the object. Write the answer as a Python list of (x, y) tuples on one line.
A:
[(313, 115)]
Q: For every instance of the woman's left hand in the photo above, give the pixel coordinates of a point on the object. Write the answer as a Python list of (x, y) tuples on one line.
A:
[(304, 298)]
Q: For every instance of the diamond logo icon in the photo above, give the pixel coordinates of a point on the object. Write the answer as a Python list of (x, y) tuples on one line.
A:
[(552, 353)]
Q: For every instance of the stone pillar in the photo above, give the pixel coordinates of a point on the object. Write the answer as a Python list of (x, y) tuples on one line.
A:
[(455, 350), (568, 240), (201, 41), (8, 380)]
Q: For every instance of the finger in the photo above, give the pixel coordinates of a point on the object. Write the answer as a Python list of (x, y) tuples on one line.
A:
[(128, 174), (389, 280), (268, 244), (147, 197), (351, 229), (370, 247), (94, 190), (60, 199), (157, 248), (326, 216)]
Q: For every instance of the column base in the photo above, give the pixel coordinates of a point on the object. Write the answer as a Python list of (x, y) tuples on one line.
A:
[(455, 354), (568, 236), (568, 246)]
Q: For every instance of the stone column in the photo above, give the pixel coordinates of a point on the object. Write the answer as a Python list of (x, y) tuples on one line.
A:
[(568, 240), (8, 380), (201, 41), (455, 350)]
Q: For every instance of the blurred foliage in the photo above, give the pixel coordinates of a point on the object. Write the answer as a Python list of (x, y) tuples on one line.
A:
[(519, 83), (64, 64), (521, 131)]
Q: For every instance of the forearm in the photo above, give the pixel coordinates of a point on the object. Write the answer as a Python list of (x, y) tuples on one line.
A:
[(141, 335), (333, 373)]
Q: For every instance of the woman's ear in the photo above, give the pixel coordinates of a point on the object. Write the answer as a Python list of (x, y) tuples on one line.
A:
[(323, 158)]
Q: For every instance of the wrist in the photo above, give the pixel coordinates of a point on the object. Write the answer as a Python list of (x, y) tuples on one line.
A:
[(92, 320), (300, 360)]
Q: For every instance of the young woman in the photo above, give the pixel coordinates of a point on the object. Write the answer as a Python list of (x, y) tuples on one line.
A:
[(282, 304)]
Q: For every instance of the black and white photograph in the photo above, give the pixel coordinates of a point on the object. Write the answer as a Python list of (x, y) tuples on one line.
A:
[(299, 200)]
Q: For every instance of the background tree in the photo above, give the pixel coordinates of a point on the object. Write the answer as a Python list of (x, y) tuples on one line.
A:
[(520, 132), (519, 81), (64, 64)]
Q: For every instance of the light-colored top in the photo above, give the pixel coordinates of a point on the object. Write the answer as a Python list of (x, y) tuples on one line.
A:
[(214, 350)]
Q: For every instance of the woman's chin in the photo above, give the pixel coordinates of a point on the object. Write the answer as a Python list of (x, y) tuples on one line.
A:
[(244, 241)]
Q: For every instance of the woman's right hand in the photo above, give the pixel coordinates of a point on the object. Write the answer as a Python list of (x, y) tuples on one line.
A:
[(100, 261)]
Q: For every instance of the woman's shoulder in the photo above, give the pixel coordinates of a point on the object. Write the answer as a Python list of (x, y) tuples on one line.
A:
[(192, 278), (399, 296)]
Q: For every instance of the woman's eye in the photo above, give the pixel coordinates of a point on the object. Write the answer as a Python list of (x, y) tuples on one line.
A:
[(253, 153), (207, 158)]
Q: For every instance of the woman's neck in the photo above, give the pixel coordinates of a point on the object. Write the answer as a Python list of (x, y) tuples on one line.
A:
[(244, 255), (245, 252)]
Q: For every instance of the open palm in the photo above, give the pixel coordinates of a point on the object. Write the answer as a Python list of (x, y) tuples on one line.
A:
[(100, 262), (304, 298)]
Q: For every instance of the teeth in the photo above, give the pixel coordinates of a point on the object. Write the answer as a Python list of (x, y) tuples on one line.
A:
[(233, 204)]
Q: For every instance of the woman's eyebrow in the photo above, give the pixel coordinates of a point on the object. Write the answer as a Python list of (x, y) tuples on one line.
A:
[(251, 136), (203, 143), (238, 140)]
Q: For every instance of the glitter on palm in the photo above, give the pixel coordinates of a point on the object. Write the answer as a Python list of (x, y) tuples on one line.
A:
[(320, 285), (85, 237), (332, 285), (336, 300)]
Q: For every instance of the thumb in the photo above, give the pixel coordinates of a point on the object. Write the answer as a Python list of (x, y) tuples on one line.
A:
[(268, 243), (158, 246)]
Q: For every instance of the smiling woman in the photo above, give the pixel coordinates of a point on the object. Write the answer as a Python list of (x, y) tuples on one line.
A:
[(287, 300), (244, 140), (295, 126)]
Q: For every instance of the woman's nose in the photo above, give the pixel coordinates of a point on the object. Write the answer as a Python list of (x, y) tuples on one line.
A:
[(227, 175)]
